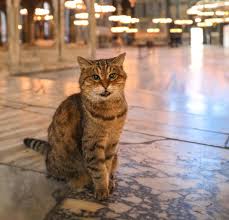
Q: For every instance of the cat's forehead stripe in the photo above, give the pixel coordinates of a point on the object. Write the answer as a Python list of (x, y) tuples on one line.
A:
[(102, 62)]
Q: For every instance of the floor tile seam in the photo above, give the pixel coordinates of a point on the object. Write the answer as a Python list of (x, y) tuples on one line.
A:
[(192, 128), (172, 111), (24, 109), (176, 139), (226, 145), (22, 168), (28, 104)]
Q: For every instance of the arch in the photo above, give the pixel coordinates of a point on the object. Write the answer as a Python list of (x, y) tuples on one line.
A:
[(3, 23), (3, 28), (43, 21), (36, 21), (75, 34)]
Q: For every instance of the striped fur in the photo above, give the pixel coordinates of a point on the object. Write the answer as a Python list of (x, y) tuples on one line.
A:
[(85, 129), (37, 145)]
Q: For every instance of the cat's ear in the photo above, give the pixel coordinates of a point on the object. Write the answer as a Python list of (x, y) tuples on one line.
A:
[(119, 60), (84, 63)]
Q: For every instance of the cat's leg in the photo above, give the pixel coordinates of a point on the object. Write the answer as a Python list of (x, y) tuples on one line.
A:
[(63, 165), (81, 181), (53, 166), (111, 164), (112, 172), (94, 156)]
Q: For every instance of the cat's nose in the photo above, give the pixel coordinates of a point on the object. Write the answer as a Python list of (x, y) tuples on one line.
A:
[(105, 93), (105, 84)]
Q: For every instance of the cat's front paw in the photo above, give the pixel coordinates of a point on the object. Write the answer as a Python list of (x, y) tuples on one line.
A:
[(101, 193), (111, 186)]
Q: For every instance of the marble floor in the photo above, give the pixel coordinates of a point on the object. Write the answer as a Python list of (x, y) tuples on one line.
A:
[(174, 158)]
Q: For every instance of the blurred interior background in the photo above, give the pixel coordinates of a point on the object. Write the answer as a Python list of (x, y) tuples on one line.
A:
[(45, 34)]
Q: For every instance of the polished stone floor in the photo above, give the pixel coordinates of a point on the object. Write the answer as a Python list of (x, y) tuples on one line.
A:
[(174, 158)]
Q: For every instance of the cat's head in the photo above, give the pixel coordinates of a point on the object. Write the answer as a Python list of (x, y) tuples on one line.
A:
[(102, 79)]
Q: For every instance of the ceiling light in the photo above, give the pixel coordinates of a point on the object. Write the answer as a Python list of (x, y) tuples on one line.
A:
[(81, 22), (175, 30), (41, 11), (119, 29), (183, 22), (197, 20), (84, 15), (132, 30), (153, 30), (104, 8), (162, 20), (23, 11), (204, 24)]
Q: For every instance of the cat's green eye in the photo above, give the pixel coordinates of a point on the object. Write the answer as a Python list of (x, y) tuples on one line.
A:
[(113, 76), (95, 77)]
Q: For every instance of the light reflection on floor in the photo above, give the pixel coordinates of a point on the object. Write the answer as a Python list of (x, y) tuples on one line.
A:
[(173, 161)]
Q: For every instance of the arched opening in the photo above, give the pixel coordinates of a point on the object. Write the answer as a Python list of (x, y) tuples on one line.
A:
[(43, 19), (36, 22), (3, 28), (76, 23), (3, 24)]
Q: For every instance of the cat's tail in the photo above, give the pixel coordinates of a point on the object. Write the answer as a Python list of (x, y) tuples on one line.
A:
[(37, 145)]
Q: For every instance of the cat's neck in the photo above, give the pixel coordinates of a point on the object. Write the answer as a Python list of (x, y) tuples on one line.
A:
[(117, 104)]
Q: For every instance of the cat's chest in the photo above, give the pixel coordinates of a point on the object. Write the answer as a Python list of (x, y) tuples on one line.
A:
[(107, 129)]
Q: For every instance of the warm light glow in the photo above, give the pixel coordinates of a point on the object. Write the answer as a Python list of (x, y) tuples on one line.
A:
[(81, 15), (192, 11), (80, 6), (211, 5), (153, 30), (226, 36), (175, 30), (19, 27), (78, 2), (125, 19), (119, 29), (222, 13), (104, 8), (74, 4), (23, 11), (205, 13), (198, 9), (113, 18), (132, 30), (219, 13), (45, 18), (197, 20), (214, 20), (183, 22), (162, 20), (84, 15), (41, 11), (196, 36), (226, 19), (204, 24), (81, 22), (37, 18), (134, 20), (48, 17)]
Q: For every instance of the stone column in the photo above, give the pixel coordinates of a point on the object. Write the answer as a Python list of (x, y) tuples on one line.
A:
[(92, 28), (13, 35), (166, 6), (30, 23), (58, 6)]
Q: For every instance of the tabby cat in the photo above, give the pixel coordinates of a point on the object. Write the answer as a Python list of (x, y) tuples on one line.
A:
[(83, 136)]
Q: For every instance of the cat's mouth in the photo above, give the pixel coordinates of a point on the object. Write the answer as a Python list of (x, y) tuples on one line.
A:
[(105, 93)]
